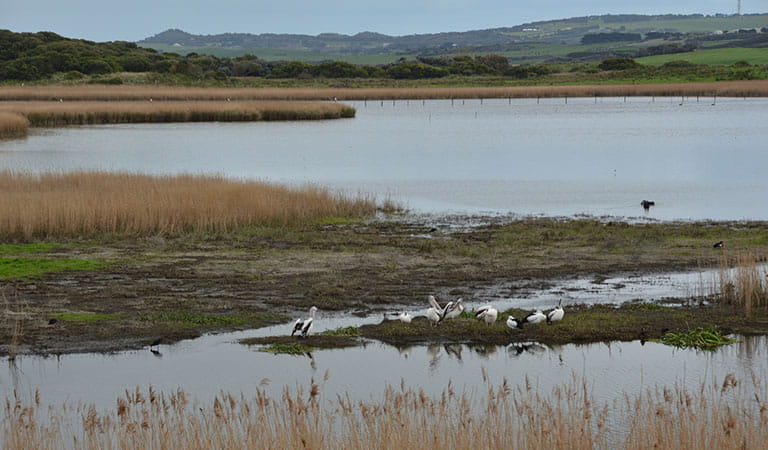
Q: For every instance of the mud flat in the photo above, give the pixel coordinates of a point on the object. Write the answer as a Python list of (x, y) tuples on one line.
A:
[(115, 292)]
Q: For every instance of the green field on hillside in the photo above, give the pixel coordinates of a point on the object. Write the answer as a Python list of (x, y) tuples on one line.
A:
[(718, 56)]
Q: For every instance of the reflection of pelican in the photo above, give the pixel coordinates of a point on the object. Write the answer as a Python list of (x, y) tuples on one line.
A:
[(435, 313), (433, 350), (305, 326), (453, 309), (533, 318), (485, 351), (488, 313), (526, 347), (311, 360), (405, 350), (453, 350), (556, 314)]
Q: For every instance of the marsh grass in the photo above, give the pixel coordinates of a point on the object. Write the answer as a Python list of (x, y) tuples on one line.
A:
[(742, 281), (85, 203), (29, 268), (51, 114), (167, 93), (12, 125), (724, 415)]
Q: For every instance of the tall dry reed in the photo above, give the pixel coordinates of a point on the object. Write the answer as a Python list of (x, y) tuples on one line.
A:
[(46, 113), (756, 88), (84, 203), (568, 417), (12, 125), (742, 281)]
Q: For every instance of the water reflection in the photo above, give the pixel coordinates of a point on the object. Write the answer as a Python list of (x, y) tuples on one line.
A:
[(362, 372)]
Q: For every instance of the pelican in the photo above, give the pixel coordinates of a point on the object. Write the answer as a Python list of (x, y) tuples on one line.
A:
[(487, 313), (405, 317), (305, 326), (556, 314), (511, 322), (533, 318), (453, 309), (435, 313)]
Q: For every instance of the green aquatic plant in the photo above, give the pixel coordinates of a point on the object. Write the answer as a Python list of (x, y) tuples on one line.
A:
[(709, 338)]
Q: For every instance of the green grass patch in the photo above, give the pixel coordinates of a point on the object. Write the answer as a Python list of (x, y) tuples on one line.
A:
[(15, 249), (343, 331), (195, 319), (715, 56), (27, 268), (709, 338), (290, 349), (85, 317)]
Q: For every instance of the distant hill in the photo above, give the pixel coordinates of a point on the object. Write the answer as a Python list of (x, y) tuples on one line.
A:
[(563, 31)]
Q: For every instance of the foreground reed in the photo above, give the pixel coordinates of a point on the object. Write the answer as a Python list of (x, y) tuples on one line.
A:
[(46, 114), (754, 88), (727, 415), (742, 281), (12, 125), (84, 203)]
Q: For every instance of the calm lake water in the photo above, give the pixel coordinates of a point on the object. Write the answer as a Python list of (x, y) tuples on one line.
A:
[(696, 160)]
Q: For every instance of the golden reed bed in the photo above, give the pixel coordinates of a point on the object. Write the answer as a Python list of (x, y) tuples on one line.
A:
[(502, 417), (48, 113), (12, 125), (756, 88), (85, 203)]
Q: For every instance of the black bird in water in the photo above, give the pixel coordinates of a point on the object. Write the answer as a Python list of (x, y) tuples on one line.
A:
[(647, 204), (52, 321), (718, 245)]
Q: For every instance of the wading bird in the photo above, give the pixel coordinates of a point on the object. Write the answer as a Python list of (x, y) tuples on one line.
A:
[(305, 326), (556, 314), (533, 318), (453, 309), (435, 312), (647, 204), (488, 313), (511, 322)]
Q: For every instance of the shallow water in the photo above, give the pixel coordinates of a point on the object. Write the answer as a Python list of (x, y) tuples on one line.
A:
[(695, 160), (205, 366)]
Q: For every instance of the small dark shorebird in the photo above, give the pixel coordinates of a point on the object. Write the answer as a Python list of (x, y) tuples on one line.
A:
[(718, 245), (647, 204)]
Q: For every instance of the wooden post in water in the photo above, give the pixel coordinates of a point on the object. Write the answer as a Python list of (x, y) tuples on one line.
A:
[(537, 99), (481, 101), (451, 101), (566, 99)]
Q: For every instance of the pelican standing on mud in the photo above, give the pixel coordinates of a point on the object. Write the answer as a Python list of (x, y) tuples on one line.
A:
[(305, 326), (453, 309), (488, 313), (435, 312)]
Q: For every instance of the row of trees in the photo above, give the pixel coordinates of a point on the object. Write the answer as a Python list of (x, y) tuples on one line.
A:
[(31, 56)]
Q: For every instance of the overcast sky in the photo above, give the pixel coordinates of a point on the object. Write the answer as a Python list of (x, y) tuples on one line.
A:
[(133, 20)]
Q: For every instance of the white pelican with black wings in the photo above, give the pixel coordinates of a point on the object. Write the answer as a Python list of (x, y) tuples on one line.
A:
[(305, 326)]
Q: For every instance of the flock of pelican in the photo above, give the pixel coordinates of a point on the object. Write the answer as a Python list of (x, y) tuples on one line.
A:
[(451, 310), (487, 313)]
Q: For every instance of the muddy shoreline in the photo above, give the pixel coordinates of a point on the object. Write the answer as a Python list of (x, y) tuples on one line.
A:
[(179, 287)]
